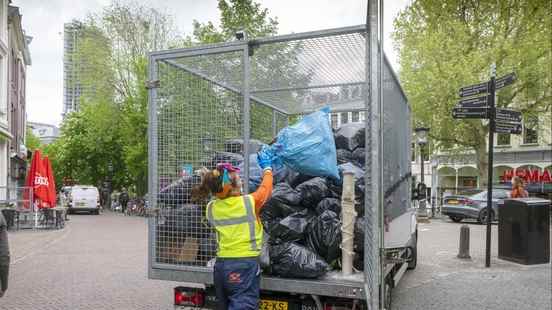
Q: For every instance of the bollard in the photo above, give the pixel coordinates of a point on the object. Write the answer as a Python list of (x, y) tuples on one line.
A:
[(464, 251)]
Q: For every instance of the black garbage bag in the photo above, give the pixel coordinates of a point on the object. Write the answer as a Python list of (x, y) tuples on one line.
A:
[(187, 220), (359, 156), (291, 228), (298, 179), (283, 174), (324, 236), (350, 136), (222, 157), (207, 247), (276, 208), (178, 192), (236, 146), (359, 196), (264, 258), (283, 193), (292, 260), (313, 191), (343, 156), (336, 188), (358, 235), (332, 204), (358, 261)]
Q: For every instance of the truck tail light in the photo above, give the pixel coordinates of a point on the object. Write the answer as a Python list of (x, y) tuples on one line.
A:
[(184, 296)]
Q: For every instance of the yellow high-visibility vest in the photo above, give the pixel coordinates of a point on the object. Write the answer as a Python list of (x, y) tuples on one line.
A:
[(239, 233)]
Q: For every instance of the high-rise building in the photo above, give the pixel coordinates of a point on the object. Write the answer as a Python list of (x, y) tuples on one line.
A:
[(72, 88)]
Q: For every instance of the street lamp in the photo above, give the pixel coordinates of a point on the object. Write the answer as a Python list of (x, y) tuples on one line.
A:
[(421, 139)]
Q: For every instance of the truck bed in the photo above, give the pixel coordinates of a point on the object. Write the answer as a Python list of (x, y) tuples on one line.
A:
[(333, 284)]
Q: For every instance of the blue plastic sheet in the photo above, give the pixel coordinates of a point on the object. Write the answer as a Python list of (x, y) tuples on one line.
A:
[(308, 146)]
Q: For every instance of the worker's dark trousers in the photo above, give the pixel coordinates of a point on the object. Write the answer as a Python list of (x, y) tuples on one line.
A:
[(4, 272), (237, 283)]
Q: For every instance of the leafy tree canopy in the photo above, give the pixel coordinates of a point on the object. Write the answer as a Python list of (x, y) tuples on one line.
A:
[(444, 45)]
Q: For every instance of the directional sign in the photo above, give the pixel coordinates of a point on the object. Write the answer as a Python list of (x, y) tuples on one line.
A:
[(505, 80), (477, 102), (460, 112), (504, 115), (474, 89), (512, 128)]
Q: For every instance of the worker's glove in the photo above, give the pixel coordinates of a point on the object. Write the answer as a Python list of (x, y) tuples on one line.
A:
[(264, 158)]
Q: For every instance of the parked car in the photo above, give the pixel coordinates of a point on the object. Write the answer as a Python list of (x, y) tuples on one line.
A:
[(459, 207), (84, 198)]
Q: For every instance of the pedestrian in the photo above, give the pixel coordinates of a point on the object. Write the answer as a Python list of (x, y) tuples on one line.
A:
[(4, 255), (235, 218), (123, 200), (518, 188)]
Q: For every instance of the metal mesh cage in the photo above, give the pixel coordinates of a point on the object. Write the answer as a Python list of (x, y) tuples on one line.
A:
[(216, 103)]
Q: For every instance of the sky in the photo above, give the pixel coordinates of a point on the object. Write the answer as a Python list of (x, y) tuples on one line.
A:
[(43, 20)]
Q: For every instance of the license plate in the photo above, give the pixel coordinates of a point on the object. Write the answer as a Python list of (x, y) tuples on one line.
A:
[(81, 204), (453, 202), (273, 305)]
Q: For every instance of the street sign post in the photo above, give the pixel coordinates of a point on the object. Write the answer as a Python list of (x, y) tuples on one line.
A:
[(505, 80), (500, 121), (476, 102), (460, 112), (509, 128), (474, 89), (504, 115)]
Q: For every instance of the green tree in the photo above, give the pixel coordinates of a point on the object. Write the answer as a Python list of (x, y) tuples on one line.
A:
[(31, 141), (444, 45)]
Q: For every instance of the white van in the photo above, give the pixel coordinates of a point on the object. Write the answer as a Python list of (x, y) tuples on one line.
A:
[(84, 198)]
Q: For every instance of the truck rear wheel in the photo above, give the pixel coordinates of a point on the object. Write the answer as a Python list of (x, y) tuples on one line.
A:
[(413, 254), (388, 296)]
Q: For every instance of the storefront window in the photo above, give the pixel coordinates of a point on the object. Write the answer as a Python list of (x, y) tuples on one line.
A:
[(334, 121), (344, 118), (355, 117)]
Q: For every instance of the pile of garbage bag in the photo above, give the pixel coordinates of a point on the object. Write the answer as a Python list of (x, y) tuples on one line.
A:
[(302, 225)]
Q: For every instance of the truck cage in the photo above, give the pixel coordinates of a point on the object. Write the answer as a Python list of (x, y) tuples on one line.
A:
[(200, 97)]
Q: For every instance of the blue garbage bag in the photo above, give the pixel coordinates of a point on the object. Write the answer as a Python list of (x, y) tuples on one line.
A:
[(308, 146)]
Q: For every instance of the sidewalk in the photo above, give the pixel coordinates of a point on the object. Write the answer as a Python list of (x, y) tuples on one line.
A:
[(442, 281)]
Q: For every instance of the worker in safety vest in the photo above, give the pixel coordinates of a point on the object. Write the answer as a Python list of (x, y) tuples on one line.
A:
[(235, 218)]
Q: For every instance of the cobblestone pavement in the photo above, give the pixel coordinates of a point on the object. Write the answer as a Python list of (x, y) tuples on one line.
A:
[(96, 262), (441, 281), (99, 262)]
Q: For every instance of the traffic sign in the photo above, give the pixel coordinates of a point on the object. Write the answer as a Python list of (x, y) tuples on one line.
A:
[(477, 102), (459, 112), (504, 115), (511, 128), (474, 89), (505, 80)]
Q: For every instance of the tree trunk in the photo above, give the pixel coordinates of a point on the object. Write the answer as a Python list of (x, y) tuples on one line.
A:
[(481, 157)]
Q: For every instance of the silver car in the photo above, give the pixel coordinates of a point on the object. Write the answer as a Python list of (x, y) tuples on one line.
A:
[(459, 207)]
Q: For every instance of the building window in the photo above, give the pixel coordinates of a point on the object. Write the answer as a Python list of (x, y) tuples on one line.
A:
[(530, 130), (344, 117), (363, 116), (355, 92), (334, 121), (355, 117), (503, 139)]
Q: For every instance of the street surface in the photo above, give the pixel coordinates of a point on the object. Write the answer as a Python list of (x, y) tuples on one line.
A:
[(99, 262), (442, 281)]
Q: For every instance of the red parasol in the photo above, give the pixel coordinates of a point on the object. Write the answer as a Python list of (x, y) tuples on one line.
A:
[(51, 183), (37, 178)]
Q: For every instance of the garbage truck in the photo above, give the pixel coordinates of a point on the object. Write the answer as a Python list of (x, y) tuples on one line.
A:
[(221, 102)]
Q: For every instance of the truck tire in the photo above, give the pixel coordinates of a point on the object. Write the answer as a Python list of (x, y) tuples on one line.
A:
[(413, 253), (387, 300)]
